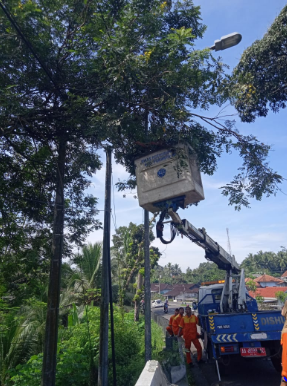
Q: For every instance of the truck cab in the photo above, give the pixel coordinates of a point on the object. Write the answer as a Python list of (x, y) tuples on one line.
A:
[(210, 298)]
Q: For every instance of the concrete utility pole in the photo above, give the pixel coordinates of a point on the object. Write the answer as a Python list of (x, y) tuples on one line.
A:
[(104, 318), (147, 296)]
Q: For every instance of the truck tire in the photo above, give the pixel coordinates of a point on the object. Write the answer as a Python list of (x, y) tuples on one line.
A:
[(275, 356), (276, 362), (209, 350), (224, 369)]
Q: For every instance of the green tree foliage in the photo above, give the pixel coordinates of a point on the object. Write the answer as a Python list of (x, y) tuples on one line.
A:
[(169, 274), (260, 76), (78, 343), (281, 296), (265, 262), (172, 274), (205, 272), (88, 265), (21, 334), (251, 285), (129, 254)]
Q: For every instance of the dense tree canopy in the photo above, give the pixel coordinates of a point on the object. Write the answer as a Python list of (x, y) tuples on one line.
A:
[(266, 262), (172, 274), (260, 77)]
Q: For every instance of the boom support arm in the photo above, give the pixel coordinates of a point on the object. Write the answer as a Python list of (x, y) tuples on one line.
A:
[(213, 251), (233, 296)]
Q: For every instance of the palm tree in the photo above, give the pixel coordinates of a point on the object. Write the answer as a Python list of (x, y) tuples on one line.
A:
[(121, 262), (21, 336), (88, 264)]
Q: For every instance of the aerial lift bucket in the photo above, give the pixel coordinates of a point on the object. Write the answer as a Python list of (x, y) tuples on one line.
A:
[(168, 178)]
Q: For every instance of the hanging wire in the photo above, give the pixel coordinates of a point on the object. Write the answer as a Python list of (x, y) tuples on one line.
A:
[(30, 47), (114, 216)]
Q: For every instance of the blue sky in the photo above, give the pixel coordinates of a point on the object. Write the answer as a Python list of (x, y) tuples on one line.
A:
[(264, 226)]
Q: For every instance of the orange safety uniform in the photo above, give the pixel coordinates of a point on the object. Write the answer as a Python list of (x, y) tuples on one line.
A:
[(284, 354), (190, 335), (169, 328), (175, 324)]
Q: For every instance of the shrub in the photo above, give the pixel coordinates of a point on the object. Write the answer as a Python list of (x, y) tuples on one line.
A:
[(78, 353)]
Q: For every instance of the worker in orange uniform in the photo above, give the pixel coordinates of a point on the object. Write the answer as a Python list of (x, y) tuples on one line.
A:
[(188, 325), (284, 346), (176, 321), (169, 328)]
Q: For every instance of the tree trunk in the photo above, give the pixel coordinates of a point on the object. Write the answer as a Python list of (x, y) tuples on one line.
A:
[(51, 334), (137, 301)]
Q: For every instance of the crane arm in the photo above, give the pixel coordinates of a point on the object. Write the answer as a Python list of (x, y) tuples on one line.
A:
[(213, 251)]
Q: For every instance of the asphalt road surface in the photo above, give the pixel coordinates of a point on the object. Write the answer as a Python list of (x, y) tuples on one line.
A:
[(240, 372)]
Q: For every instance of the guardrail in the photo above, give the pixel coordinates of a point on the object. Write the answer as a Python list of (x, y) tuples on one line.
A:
[(152, 375)]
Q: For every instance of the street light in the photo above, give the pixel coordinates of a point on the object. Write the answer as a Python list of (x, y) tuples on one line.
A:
[(227, 41)]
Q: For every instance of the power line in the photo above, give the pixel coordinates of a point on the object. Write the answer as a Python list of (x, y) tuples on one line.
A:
[(114, 216), (30, 47)]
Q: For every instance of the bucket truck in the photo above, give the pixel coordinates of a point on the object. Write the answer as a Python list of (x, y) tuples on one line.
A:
[(230, 319)]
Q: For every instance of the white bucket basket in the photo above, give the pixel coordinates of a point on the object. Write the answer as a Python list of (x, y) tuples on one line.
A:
[(164, 175)]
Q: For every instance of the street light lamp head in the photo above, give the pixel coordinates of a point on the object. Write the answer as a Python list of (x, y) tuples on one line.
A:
[(227, 41)]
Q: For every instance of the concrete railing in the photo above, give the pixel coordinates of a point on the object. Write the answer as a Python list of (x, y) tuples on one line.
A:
[(152, 375)]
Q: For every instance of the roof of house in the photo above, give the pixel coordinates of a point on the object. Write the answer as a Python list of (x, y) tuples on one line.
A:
[(161, 286), (164, 286), (267, 278), (284, 274), (267, 292), (154, 287), (185, 286), (193, 288), (180, 290), (174, 292)]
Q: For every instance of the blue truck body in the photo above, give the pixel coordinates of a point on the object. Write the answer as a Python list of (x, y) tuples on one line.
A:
[(226, 334)]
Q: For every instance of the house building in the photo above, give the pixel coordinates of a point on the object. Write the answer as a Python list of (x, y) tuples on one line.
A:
[(284, 276), (183, 293), (269, 281), (160, 288), (268, 293)]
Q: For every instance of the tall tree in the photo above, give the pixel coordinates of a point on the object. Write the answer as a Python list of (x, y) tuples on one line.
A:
[(128, 249), (100, 67)]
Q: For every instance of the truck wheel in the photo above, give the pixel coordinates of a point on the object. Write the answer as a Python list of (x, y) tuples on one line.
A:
[(223, 369), (276, 362), (209, 351)]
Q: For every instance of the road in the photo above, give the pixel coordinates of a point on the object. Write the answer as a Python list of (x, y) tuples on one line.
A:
[(242, 372)]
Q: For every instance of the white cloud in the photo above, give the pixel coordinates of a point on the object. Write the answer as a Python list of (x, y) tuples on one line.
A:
[(210, 183)]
